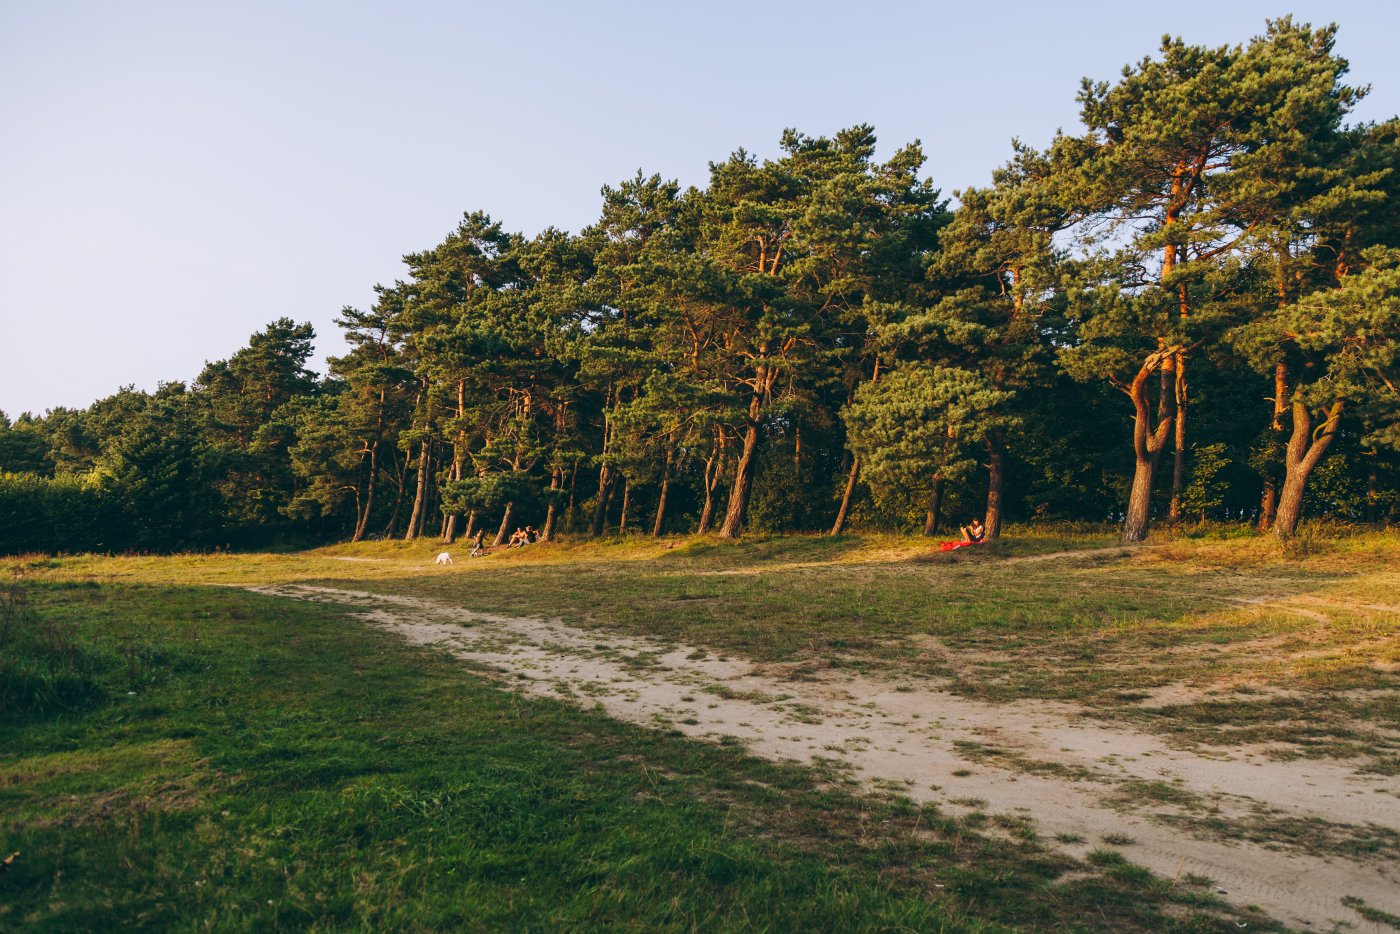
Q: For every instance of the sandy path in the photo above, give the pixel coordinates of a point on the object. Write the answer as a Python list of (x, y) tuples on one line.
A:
[(893, 736)]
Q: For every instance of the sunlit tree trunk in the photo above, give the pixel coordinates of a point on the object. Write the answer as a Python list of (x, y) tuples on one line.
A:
[(714, 472), (363, 521), (505, 524), (847, 497), (1268, 502), (735, 515), (1306, 447), (1148, 441), (551, 517), (420, 497), (660, 522)]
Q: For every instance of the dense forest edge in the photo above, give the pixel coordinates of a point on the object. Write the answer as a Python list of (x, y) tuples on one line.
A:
[(1187, 312)]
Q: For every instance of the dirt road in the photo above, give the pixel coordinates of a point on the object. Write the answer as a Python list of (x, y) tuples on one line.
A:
[(1084, 783)]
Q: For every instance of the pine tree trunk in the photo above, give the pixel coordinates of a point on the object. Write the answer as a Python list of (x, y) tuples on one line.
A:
[(1268, 502), (714, 472), (393, 525), (600, 512), (1139, 517), (569, 513), (847, 497), (551, 517), (852, 478), (1179, 448), (1290, 504), (660, 522), (363, 522), (1148, 441), (1305, 450), (626, 495), (505, 525), (459, 453), (471, 525), (935, 508), (420, 497), (738, 509), (996, 467), (449, 531)]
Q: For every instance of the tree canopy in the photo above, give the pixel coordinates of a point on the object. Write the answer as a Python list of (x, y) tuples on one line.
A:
[(1208, 268)]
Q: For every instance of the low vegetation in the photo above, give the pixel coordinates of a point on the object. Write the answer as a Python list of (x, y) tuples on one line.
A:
[(187, 755)]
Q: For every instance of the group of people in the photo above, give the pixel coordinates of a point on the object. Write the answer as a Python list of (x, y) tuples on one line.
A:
[(972, 533), (518, 539)]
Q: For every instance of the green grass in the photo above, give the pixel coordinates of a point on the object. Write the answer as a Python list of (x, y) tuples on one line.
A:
[(1211, 609), (200, 757)]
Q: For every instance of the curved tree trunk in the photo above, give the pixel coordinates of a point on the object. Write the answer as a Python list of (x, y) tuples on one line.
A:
[(1148, 441), (714, 472), (420, 497), (505, 525), (739, 493), (737, 512), (368, 507), (665, 488), (551, 517), (1305, 449), (852, 478)]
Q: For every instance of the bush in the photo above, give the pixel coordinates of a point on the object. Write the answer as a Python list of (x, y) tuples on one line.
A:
[(53, 514)]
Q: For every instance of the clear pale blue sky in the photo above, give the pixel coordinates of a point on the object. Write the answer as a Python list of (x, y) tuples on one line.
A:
[(175, 175)]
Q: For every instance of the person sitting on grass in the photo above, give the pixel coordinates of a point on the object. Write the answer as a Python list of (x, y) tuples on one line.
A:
[(974, 531), (518, 538), (479, 543), (531, 536)]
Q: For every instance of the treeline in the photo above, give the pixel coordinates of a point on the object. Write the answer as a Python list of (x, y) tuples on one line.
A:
[(1190, 310)]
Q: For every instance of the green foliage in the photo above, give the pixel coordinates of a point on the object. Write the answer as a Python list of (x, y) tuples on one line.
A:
[(23, 448), (919, 422), (57, 514), (1205, 492), (1214, 241)]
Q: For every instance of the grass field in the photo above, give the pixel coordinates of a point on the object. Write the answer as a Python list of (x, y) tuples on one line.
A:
[(176, 751)]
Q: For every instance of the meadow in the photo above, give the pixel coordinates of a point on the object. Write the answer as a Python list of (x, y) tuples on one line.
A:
[(327, 752)]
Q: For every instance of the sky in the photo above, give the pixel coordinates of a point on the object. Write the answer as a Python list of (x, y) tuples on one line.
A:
[(175, 175)]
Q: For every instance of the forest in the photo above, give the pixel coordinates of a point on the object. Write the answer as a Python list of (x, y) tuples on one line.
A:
[(1186, 311)]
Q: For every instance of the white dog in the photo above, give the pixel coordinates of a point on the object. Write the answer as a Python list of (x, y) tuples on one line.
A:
[(444, 558)]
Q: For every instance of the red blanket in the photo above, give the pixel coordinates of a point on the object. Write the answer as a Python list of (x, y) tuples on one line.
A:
[(951, 546)]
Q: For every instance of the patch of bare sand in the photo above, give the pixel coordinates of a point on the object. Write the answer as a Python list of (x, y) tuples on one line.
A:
[(925, 742)]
